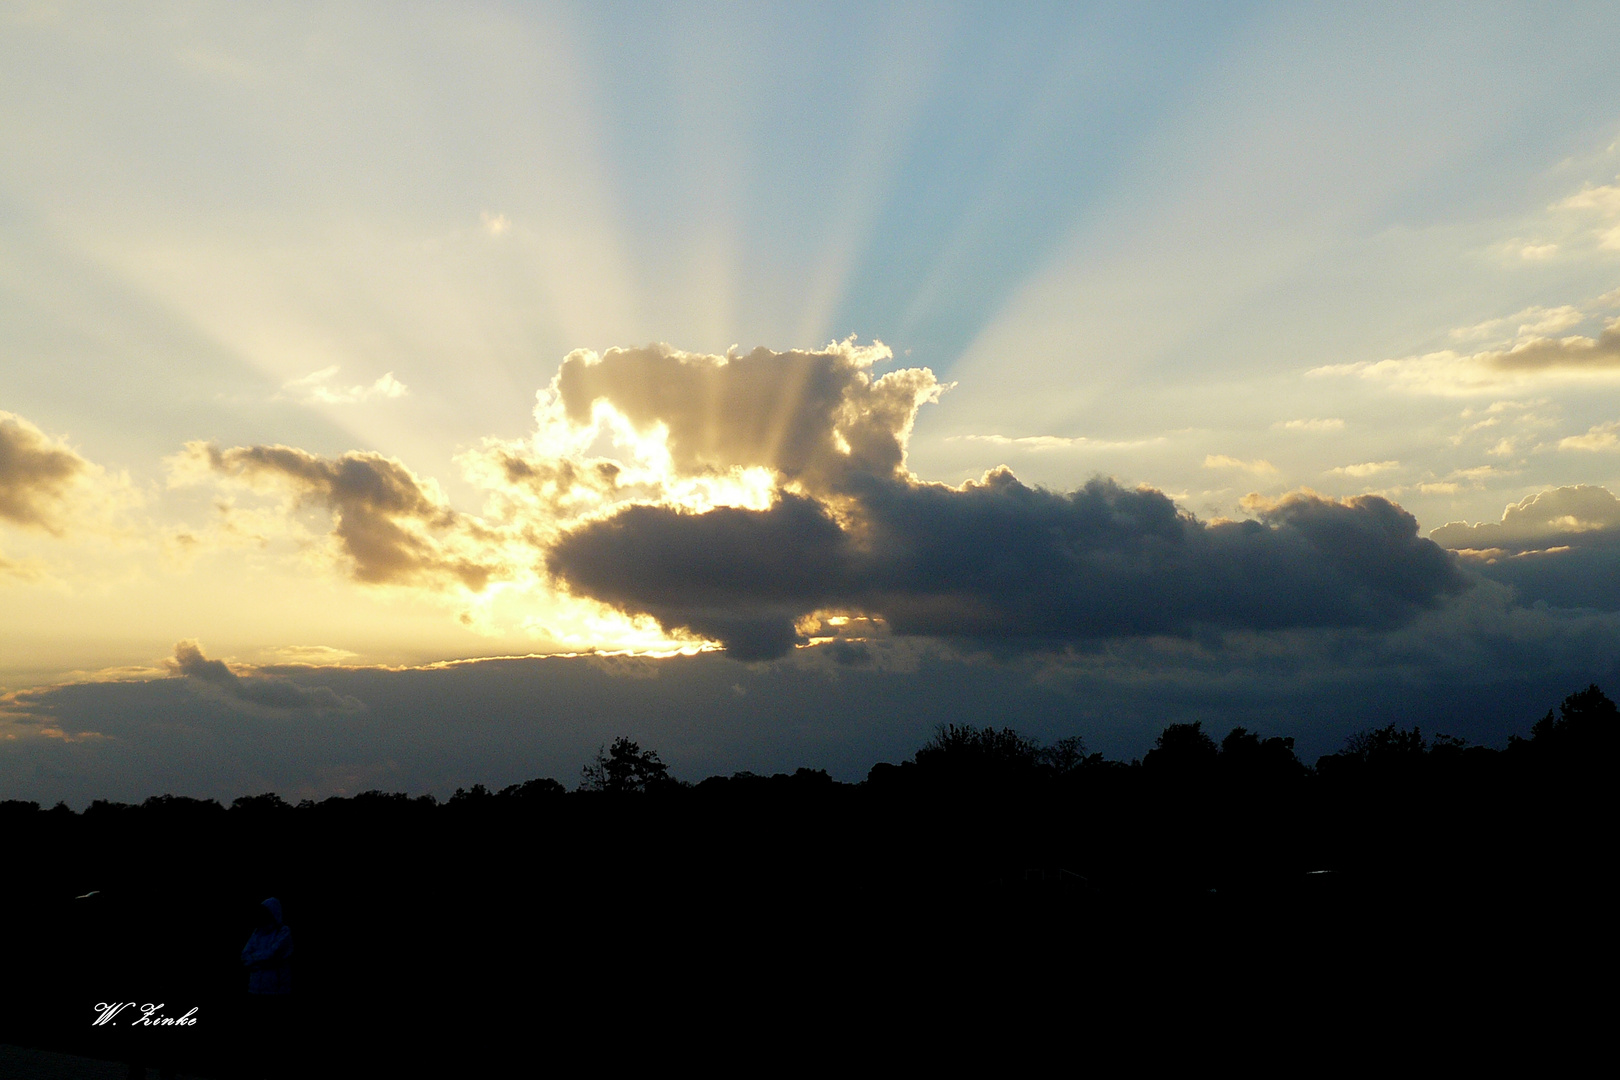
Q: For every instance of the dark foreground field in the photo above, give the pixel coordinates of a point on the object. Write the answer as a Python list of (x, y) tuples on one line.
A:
[(992, 893)]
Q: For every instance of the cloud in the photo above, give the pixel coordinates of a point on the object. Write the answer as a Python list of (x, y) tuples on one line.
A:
[(1366, 468), (1603, 205), (392, 527), (1053, 442), (1575, 352), (739, 499), (1006, 564), (1331, 423), (313, 387), (1531, 321), (694, 432), (1475, 473), (1479, 667), (36, 475), (260, 691), (20, 570), (312, 655), (1599, 437), (1221, 461), (1605, 199), (743, 577), (809, 417), (1529, 357), (1532, 346), (747, 493), (1546, 519), (1560, 547)]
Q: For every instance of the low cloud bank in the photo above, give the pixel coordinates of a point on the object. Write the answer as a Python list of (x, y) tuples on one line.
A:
[(1481, 673), (263, 691)]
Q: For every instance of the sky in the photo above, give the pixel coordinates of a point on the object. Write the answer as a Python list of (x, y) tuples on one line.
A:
[(416, 396)]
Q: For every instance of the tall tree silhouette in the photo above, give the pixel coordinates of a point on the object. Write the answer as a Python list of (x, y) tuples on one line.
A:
[(1586, 720), (1182, 748), (624, 768)]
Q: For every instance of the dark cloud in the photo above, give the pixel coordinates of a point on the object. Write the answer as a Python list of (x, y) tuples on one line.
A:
[(265, 691), (395, 528), (1585, 575), (1560, 547), (743, 577), (35, 474), (1009, 564), (850, 530)]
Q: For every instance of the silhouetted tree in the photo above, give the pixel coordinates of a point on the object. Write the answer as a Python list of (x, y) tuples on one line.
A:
[(1586, 719), (1182, 747), (374, 799), (624, 768), (267, 803), (966, 754), (1064, 756), (1245, 754), (1387, 745), (530, 790)]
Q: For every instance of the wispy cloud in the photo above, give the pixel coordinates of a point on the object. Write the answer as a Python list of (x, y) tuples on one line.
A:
[(1056, 442), (1599, 437), (1529, 361), (1477, 472), (1259, 466), (1534, 345), (312, 655), (1531, 322), (1603, 206), (1366, 468), (316, 387), (1331, 423)]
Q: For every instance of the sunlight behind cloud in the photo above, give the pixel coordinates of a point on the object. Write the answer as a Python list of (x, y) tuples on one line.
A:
[(336, 253)]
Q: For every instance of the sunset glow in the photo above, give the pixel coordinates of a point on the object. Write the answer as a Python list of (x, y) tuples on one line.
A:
[(761, 381)]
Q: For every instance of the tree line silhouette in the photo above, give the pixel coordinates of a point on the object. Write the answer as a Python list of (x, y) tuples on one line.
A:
[(988, 859)]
